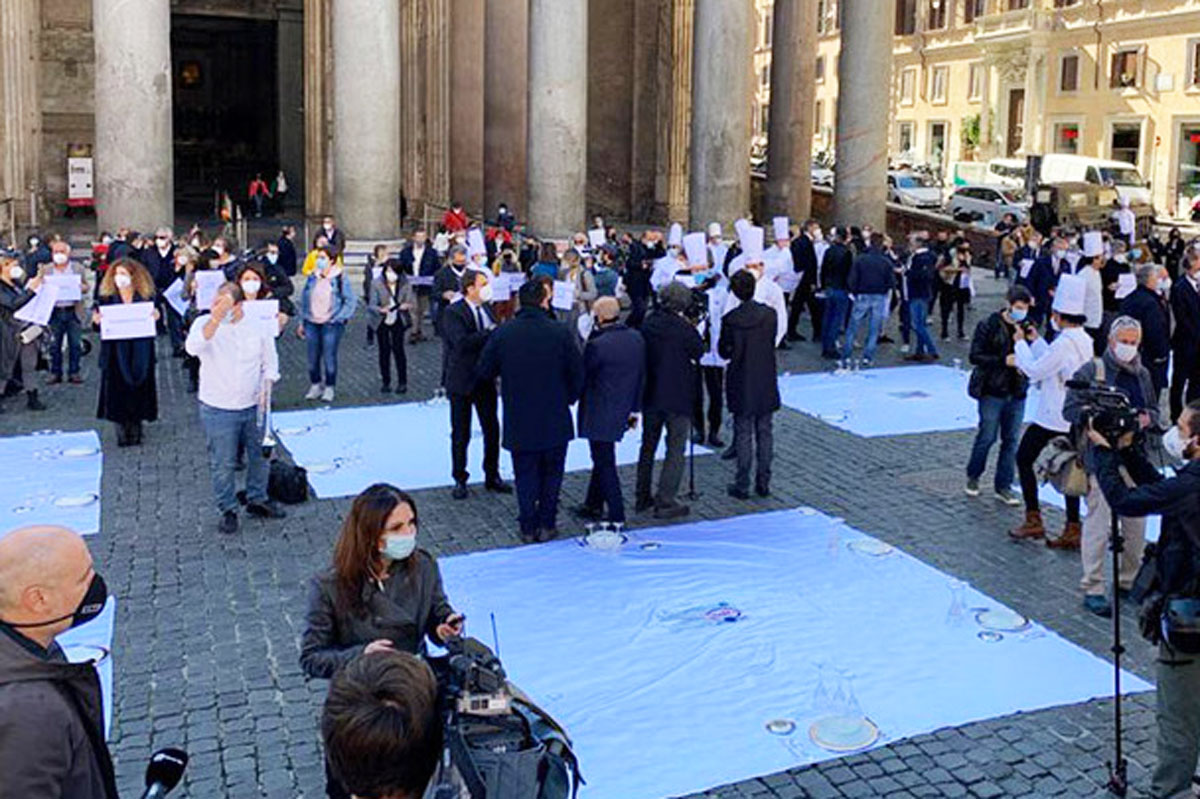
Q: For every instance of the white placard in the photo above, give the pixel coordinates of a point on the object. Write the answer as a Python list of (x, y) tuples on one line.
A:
[(1026, 265), (376, 272), (127, 320), (1126, 283), (564, 295), (70, 285), (501, 288), (421, 280), (38, 310), (264, 313), (174, 296), (207, 283), (596, 237), (788, 280)]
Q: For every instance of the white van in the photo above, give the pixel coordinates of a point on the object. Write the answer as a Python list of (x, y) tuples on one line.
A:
[(1121, 175), (1006, 172)]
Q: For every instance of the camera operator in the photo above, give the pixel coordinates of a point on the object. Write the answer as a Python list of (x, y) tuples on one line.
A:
[(382, 732), (1121, 368), (1176, 576), (382, 593)]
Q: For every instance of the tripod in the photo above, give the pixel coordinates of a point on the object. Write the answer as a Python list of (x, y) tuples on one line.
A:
[(692, 493), (1118, 777)]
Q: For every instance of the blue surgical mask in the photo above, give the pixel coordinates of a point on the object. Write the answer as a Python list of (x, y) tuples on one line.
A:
[(1018, 314), (1135, 253), (398, 547)]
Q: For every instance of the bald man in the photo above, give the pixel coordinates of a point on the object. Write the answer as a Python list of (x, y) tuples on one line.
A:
[(51, 713)]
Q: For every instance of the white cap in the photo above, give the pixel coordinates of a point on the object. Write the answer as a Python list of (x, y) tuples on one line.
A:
[(696, 248), (596, 237), (751, 238), (1093, 244), (740, 227), (1124, 200), (675, 235), (475, 245), (1126, 283), (714, 230), (1070, 295), (781, 228)]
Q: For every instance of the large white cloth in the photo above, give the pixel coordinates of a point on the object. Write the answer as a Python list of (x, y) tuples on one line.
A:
[(1093, 303), (767, 292), (1051, 366), (233, 363)]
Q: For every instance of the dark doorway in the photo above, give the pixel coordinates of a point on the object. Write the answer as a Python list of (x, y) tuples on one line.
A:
[(225, 119), (1016, 121)]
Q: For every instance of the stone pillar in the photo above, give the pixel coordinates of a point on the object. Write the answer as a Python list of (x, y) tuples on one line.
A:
[(985, 111), (366, 122), (643, 160), (1033, 139), (289, 45), (437, 102), (674, 129), (558, 97), (318, 165), (505, 105), (610, 106), (134, 180), (20, 115), (864, 85), (721, 71), (790, 128), (466, 103)]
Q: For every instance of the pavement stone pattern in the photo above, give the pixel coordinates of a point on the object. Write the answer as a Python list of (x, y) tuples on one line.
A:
[(208, 626)]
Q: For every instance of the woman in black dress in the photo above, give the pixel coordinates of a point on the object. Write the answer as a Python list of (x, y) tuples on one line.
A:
[(128, 393)]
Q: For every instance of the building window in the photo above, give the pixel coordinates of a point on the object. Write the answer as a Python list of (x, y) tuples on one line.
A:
[(1123, 69), (937, 15), (822, 16), (908, 86), (939, 134), (764, 78), (818, 114), (764, 119), (904, 138), (768, 27), (1065, 3), (1068, 73), (975, 82), (973, 9), (820, 69), (1017, 5), (906, 17), (1193, 73), (939, 77), (1125, 143), (1188, 179), (1066, 138)]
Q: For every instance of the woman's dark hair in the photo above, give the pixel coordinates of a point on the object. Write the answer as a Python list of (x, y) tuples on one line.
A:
[(264, 290), (1019, 294), (549, 252), (356, 555)]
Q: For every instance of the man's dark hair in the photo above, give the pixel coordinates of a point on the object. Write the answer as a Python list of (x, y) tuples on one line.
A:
[(1018, 294), (381, 729), (742, 285), (469, 278), (675, 297), (876, 241), (531, 294)]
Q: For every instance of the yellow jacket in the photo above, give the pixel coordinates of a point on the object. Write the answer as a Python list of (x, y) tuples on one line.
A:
[(310, 262)]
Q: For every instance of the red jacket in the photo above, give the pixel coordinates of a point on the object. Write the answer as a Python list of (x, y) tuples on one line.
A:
[(455, 222)]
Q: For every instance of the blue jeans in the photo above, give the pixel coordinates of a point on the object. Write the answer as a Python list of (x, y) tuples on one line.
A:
[(837, 304), (65, 322), (1001, 416), (225, 431), (323, 343), (918, 310), (873, 308)]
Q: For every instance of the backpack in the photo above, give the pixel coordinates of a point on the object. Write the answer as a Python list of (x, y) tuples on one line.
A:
[(287, 483)]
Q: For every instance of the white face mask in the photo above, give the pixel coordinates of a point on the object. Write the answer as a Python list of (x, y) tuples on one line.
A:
[(1175, 444), (1125, 353), (163, 244), (195, 244), (398, 547), (60, 258), (328, 227), (485, 292), (391, 277), (1164, 285), (16, 273), (272, 257), (219, 250), (251, 287), (122, 280)]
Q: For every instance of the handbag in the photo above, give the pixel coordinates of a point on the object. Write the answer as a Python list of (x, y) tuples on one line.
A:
[(1061, 466), (287, 483), (975, 384)]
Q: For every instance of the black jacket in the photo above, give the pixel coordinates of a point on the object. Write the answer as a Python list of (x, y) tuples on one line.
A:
[(614, 369), (337, 240), (872, 273), (922, 271), (748, 342), (990, 347), (51, 724), (639, 266), (1185, 307), (804, 260), (835, 267), (1150, 310), (409, 606), (430, 263), (672, 349), (287, 256), (161, 267), (464, 342), (541, 375)]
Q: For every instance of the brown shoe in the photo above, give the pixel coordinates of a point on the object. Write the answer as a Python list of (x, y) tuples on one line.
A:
[(1032, 528), (1069, 539)]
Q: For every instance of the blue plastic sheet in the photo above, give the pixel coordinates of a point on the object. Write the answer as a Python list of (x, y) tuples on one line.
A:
[(407, 444), (668, 659), (51, 478), (93, 642)]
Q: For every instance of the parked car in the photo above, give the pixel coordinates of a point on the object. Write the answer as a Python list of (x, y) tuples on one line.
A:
[(907, 188), (822, 176), (987, 204)]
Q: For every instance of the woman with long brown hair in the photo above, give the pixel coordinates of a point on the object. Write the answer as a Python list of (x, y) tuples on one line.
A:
[(128, 392)]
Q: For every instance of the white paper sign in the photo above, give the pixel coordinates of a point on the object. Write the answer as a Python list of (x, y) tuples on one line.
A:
[(174, 295), (421, 280), (1026, 265), (564, 295), (264, 313), (207, 283), (127, 320), (596, 237), (70, 286), (1126, 283), (788, 280), (376, 272), (501, 288), (38, 310)]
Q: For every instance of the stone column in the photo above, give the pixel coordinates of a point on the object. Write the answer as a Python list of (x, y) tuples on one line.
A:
[(558, 96), (1032, 139), (366, 122), (790, 129), (505, 105), (20, 115), (864, 84), (437, 102), (610, 106), (466, 103), (290, 89), (135, 180), (318, 198), (673, 85), (721, 71)]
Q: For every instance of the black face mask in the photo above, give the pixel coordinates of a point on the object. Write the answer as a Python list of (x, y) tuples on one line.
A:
[(89, 607)]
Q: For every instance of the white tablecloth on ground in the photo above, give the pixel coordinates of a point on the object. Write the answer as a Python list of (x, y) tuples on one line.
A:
[(93, 641), (51, 478)]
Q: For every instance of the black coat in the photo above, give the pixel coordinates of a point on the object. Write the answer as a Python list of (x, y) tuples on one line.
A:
[(287, 256), (748, 342), (672, 349), (464, 342), (128, 388), (804, 260), (835, 268), (1151, 311), (430, 263), (161, 267), (337, 240), (541, 375), (990, 347), (639, 266), (1185, 307), (614, 368)]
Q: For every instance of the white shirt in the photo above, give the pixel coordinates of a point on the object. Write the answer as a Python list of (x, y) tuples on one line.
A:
[(418, 255), (1127, 221), (767, 292), (777, 261), (1051, 366), (718, 252), (233, 363), (717, 297), (664, 271), (1093, 301)]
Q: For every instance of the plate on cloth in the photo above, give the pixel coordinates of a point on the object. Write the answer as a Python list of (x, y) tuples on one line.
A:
[(324, 467), (293, 431), (1001, 620), (781, 726), (86, 653), (76, 501), (603, 540), (79, 452), (843, 733), (870, 546)]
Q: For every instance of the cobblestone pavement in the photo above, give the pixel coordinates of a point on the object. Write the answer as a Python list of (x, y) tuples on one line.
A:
[(206, 643)]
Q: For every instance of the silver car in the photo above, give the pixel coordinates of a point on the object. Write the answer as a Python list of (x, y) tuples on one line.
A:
[(987, 205)]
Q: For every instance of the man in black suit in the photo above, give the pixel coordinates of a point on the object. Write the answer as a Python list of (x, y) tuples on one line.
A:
[(335, 238), (418, 259), (1185, 343), (673, 348), (541, 374), (466, 327), (642, 255), (804, 259), (287, 250), (748, 342), (1149, 307)]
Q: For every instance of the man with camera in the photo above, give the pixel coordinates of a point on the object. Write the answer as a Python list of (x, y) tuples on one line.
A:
[(1169, 616), (1123, 398)]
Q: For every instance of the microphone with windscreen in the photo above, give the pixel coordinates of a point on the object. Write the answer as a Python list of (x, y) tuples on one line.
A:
[(164, 772)]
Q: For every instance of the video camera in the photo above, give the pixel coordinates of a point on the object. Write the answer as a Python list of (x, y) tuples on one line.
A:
[(1106, 409), (474, 679)]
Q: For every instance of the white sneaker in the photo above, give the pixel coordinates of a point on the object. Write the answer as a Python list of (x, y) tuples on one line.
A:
[(327, 394), (314, 392)]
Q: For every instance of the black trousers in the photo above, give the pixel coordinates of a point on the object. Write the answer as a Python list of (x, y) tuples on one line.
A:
[(539, 476), (391, 348), (604, 487), (806, 297), (754, 443), (637, 309), (710, 379), (483, 400), (1185, 383), (953, 298), (1032, 443)]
